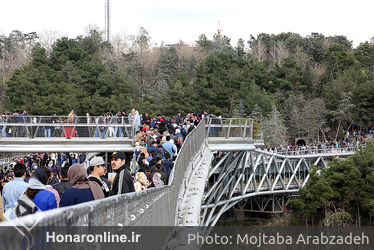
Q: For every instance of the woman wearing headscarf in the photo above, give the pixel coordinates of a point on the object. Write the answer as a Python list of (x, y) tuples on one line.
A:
[(43, 199), (157, 182), (82, 190), (51, 189)]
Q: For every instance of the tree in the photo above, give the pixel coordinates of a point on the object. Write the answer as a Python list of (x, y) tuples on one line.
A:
[(240, 48), (315, 195), (315, 45), (315, 117), (15, 51), (338, 59), (344, 111), (142, 60), (364, 53), (179, 96), (347, 183), (257, 113), (258, 50), (279, 52), (73, 76), (364, 102), (273, 128), (167, 70)]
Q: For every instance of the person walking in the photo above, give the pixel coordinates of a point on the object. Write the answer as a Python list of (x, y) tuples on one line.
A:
[(123, 181), (98, 169), (170, 147), (13, 190), (64, 183), (43, 199), (82, 190)]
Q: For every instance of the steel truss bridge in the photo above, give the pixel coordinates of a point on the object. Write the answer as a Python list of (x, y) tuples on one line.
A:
[(219, 166)]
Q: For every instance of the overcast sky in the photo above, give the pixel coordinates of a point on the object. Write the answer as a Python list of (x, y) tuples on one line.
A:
[(173, 20)]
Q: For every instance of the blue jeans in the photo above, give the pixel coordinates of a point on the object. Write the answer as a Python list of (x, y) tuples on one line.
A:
[(47, 132), (3, 131)]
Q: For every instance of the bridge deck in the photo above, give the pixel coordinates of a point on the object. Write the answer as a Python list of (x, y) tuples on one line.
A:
[(61, 144)]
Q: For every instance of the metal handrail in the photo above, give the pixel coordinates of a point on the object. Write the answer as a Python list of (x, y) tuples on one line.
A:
[(308, 151), (231, 127), (64, 126), (30, 118)]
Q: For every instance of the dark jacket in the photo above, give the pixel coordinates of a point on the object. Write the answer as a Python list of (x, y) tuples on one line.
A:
[(168, 166), (127, 184), (108, 183), (62, 186), (73, 196), (101, 183)]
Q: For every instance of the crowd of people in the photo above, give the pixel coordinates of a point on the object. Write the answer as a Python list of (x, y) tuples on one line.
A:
[(110, 124), (20, 124), (351, 140), (40, 182)]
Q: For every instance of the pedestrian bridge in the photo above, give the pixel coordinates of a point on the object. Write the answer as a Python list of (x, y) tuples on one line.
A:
[(66, 134), (100, 134), (218, 167)]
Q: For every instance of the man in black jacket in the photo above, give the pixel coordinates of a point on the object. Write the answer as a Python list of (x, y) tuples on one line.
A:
[(64, 183), (123, 182)]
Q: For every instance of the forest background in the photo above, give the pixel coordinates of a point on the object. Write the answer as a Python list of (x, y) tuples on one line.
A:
[(305, 86)]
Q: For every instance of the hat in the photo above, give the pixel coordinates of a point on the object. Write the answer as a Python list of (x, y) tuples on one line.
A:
[(119, 155), (97, 161)]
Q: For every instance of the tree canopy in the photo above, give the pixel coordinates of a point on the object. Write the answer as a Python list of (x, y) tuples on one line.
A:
[(344, 191)]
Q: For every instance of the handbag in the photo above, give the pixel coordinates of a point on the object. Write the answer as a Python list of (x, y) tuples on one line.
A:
[(25, 206)]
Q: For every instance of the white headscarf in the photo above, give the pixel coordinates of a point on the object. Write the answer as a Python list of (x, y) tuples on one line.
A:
[(35, 184), (38, 179)]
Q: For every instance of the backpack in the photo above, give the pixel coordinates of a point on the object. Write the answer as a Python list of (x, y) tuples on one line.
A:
[(25, 206), (180, 140)]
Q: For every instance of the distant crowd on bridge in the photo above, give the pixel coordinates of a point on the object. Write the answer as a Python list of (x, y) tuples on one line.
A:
[(48, 181), (351, 141), (111, 124)]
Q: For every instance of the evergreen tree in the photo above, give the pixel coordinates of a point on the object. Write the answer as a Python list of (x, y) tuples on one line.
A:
[(274, 129)]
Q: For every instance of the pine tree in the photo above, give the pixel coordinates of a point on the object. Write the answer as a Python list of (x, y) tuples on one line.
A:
[(274, 129)]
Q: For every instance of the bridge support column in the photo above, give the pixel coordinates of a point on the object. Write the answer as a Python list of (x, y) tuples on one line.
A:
[(239, 214)]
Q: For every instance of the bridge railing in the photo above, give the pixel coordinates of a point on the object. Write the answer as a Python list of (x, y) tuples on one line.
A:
[(232, 127), (191, 146), (310, 151), (65, 126), (6, 161)]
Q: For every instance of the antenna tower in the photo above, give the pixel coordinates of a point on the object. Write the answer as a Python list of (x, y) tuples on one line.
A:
[(107, 20), (219, 29)]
